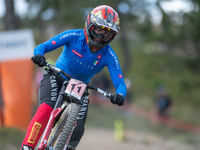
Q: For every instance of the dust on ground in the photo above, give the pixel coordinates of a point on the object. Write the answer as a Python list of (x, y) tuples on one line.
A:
[(104, 139)]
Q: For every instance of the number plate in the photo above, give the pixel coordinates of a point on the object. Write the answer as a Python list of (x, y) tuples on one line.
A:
[(75, 88)]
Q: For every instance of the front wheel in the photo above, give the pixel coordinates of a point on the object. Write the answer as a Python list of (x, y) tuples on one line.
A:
[(64, 127)]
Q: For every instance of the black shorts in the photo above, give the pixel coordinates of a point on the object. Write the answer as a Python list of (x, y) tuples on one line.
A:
[(50, 87)]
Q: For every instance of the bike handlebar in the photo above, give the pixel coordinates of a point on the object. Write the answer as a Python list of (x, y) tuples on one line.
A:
[(54, 68), (57, 70)]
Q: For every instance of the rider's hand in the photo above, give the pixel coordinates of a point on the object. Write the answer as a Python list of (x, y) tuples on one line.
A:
[(39, 60), (118, 99)]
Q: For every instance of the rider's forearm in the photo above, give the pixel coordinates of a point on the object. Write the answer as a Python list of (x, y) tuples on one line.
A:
[(121, 89), (40, 49)]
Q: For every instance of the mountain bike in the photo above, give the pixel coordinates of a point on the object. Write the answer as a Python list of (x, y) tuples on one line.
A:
[(63, 118)]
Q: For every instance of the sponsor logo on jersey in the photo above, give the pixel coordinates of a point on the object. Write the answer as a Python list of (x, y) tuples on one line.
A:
[(78, 54), (34, 132), (99, 56), (120, 75), (96, 62), (53, 42), (70, 34)]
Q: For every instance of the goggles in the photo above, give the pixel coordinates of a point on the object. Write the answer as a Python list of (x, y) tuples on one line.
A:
[(104, 34)]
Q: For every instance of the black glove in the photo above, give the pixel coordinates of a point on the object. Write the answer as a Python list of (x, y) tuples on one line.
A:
[(39, 60), (118, 99)]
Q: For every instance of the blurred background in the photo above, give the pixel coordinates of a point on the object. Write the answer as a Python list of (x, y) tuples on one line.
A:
[(158, 47)]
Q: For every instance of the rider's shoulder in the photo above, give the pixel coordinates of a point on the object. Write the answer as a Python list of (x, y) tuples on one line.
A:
[(109, 50)]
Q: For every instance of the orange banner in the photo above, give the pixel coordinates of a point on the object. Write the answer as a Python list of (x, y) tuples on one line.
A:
[(16, 85)]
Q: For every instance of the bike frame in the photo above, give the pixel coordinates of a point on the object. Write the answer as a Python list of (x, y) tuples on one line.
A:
[(58, 110), (54, 114)]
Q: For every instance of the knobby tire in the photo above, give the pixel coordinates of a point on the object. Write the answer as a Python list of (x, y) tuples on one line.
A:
[(63, 127)]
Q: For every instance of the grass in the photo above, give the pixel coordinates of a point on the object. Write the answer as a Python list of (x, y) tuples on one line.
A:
[(11, 139)]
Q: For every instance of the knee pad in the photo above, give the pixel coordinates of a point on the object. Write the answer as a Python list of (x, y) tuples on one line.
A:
[(72, 145), (76, 136)]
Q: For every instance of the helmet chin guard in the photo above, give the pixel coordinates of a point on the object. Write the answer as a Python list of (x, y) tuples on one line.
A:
[(95, 46)]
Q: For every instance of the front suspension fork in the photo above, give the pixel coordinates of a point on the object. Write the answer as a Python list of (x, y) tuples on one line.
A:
[(53, 116)]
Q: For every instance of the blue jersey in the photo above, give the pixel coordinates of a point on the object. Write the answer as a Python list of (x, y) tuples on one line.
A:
[(76, 58)]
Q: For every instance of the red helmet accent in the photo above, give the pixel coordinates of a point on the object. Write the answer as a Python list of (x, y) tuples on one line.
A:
[(105, 18), (105, 11)]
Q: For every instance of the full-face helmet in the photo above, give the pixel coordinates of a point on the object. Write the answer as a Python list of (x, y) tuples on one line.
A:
[(101, 27)]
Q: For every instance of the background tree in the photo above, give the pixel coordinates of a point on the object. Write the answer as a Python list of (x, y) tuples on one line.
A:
[(10, 19), (11, 23)]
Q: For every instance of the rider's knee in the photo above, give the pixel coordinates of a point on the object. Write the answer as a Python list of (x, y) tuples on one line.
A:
[(72, 145), (76, 136), (79, 130)]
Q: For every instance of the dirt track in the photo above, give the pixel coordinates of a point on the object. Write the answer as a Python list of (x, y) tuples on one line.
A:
[(101, 139)]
